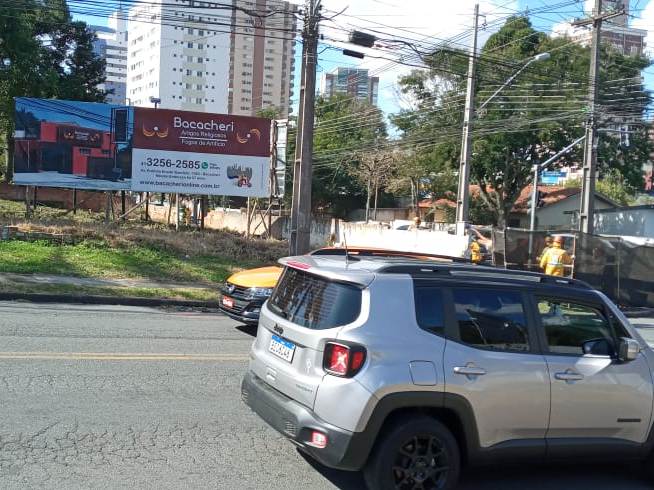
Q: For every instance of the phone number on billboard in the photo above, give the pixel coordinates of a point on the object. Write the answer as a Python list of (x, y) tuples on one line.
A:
[(168, 162)]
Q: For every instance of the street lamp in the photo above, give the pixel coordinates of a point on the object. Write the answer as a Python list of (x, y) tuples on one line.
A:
[(462, 204), (538, 57), (156, 101)]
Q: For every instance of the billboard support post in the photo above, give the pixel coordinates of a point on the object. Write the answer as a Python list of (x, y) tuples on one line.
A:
[(203, 210), (107, 208), (177, 212), (27, 201), (122, 204), (147, 206), (74, 201)]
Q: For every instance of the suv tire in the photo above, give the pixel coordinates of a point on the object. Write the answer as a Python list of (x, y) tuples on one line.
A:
[(420, 453)]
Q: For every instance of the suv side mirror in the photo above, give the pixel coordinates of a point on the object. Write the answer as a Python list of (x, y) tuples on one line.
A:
[(599, 347), (628, 349)]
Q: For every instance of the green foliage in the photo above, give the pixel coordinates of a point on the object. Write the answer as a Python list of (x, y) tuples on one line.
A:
[(532, 119), (338, 139), (269, 112), (612, 185), (62, 67)]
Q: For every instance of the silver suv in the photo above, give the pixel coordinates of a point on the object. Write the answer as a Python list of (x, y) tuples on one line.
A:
[(410, 369)]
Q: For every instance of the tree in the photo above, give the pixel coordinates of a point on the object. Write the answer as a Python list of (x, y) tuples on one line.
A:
[(43, 53), (346, 129), (373, 169), (543, 111), (613, 185), (269, 112)]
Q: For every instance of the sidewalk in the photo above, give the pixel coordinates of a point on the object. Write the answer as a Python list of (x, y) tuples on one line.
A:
[(42, 279), (50, 288)]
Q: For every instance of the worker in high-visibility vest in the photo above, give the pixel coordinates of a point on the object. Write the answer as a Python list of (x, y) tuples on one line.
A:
[(548, 245), (475, 251), (555, 258)]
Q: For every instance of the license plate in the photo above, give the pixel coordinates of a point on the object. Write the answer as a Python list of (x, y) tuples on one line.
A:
[(282, 348), (228, 302)]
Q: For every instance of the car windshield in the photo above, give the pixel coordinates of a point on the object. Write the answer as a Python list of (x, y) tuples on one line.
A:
[(315, 302)]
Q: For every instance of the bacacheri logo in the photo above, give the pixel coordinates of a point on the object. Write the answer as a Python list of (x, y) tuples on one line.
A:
[(198, 132), (248, 137), (161, 133)]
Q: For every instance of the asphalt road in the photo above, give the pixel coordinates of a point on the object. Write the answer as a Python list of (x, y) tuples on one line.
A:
[(117, 397)]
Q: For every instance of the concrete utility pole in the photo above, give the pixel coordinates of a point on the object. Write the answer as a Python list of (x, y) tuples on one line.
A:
[(462, 201), (587, 208), (301, 206)]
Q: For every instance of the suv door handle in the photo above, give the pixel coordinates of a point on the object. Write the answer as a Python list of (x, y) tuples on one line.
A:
[(568, 376), (469, 370)]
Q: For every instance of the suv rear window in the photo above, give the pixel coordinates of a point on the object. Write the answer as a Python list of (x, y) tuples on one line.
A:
[(315, 302)]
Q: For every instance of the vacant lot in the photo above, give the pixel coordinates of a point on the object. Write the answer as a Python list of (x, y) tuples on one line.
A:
[(131, 250)]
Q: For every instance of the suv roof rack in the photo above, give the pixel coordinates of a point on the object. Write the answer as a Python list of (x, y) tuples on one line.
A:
[(361, 252), (480, 272)]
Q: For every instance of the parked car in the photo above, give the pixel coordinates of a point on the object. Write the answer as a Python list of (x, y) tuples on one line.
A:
[(244, 292), (410, 369)]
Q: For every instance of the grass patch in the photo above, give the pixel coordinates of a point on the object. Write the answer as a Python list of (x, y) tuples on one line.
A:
[(70, 290), (98, 259)]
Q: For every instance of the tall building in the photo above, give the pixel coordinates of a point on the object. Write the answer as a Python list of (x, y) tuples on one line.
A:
[(207, 57), (111, 45), (262, 57), (355, 82), (616, 31)]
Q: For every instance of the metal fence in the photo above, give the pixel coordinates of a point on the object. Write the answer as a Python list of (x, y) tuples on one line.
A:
[(620, 268)]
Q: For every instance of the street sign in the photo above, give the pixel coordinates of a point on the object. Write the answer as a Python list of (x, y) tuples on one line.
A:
[(555, 174)]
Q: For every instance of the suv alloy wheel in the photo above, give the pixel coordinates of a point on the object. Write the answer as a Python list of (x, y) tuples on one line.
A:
[(420, 453)]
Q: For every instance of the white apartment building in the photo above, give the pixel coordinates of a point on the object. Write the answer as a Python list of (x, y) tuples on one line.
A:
[(111, 45), (201, 56), (179, 53)]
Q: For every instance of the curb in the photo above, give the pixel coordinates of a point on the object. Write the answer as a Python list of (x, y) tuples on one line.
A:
[(106, 300)]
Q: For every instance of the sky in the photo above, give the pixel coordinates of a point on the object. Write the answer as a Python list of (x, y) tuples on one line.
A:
[(432, 21)]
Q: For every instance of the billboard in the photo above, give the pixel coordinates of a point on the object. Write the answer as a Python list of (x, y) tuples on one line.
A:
[(86, 145)]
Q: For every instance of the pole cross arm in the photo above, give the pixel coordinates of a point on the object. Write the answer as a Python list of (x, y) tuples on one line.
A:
[(591, 20)]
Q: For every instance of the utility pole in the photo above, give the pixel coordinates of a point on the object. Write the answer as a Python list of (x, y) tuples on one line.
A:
[(463, 198), (587, 208), (301, 206)]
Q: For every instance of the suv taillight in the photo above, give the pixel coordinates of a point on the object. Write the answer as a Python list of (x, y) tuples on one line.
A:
[(342, 359)]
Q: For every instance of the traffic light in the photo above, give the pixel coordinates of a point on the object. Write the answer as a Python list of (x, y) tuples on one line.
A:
[(540, 199)]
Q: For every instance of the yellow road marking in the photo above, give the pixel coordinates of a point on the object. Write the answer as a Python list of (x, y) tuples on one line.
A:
[(122, 356)]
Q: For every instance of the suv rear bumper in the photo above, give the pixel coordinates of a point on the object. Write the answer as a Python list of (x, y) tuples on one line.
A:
[(345, 450)]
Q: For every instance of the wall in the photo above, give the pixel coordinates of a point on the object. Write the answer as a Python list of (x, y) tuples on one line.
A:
[(383, 214), (236, 220), (626, 222), (63, 198), (426, 241)]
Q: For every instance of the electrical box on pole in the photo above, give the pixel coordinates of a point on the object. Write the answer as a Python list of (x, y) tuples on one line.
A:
[(362, 39)]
